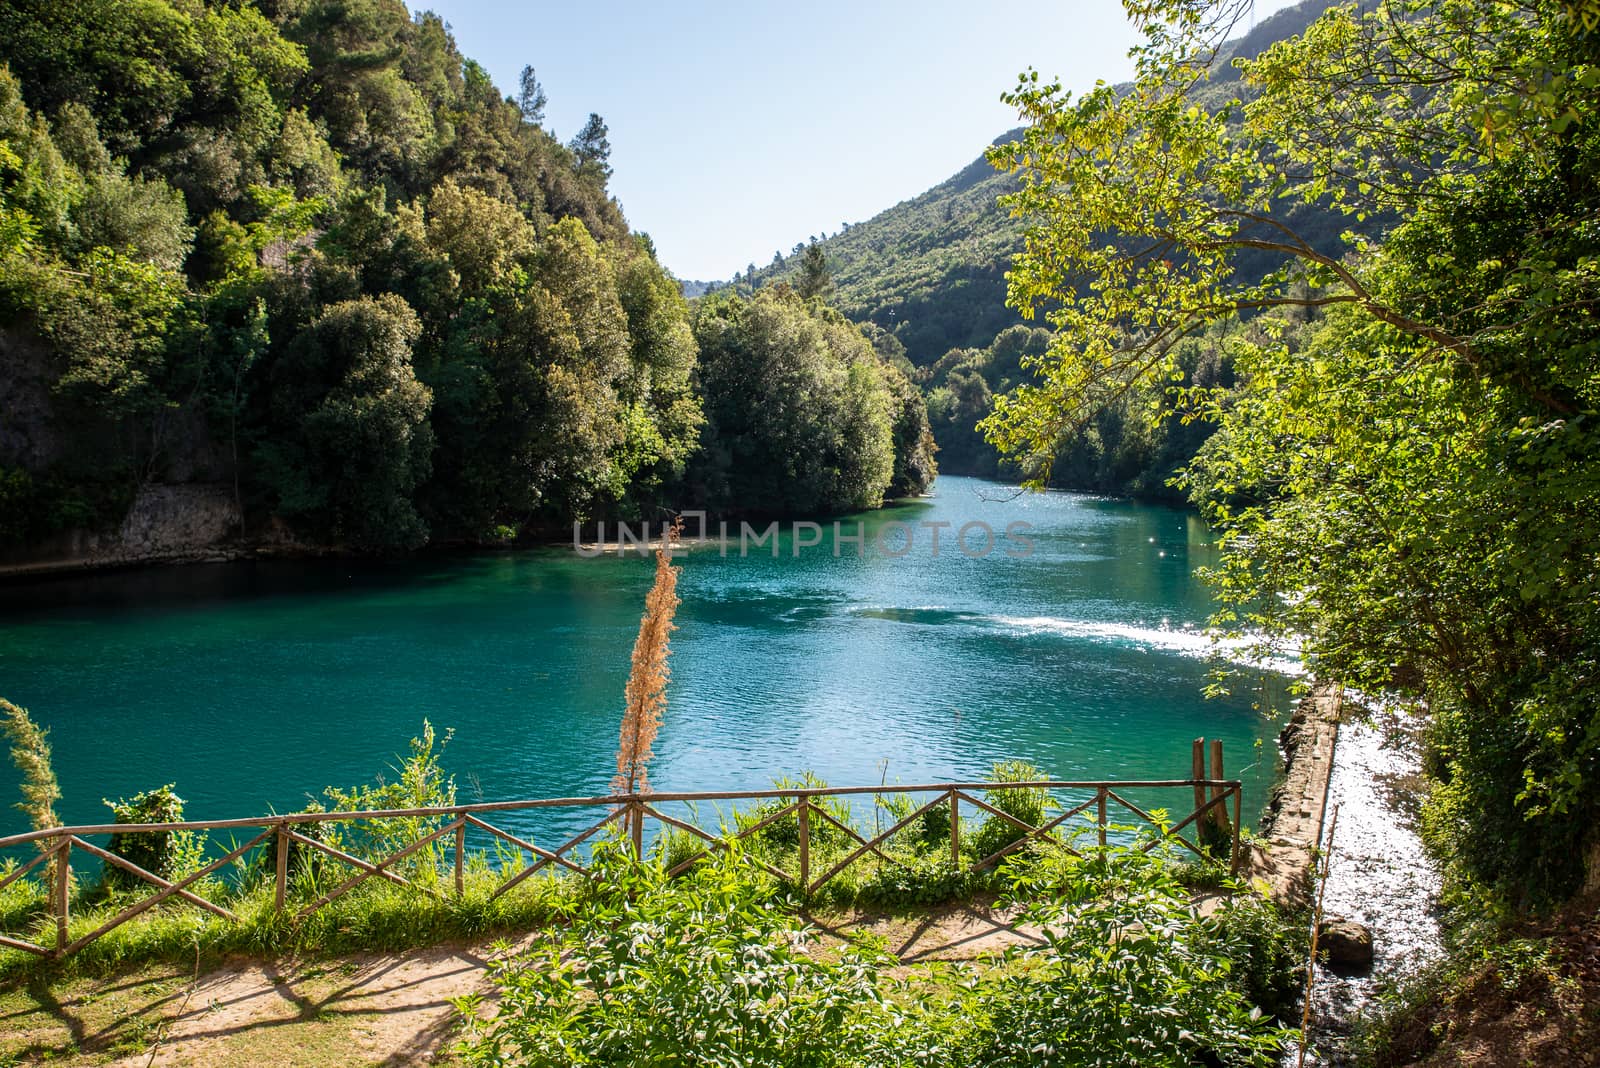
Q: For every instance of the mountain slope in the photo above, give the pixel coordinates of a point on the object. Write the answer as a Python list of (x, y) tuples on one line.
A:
[(932, 269)]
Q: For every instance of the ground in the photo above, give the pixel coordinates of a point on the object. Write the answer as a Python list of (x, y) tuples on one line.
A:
[(1514, 1017), (377, 1009)]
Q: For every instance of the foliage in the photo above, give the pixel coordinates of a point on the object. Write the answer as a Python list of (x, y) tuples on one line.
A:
[(703, 969), (166, 854), (1027, 804), (712, 969), (363, 442), (30, 752), (1129, 973), (203, 207), (646, 697), (798, 412), (814, 280), (420, 782), (1406, 485)]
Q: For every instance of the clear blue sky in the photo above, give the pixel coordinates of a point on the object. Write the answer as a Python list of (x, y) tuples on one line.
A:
[(738, 129)]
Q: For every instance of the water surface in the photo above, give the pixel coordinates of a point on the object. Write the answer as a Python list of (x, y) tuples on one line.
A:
[(251, 686)]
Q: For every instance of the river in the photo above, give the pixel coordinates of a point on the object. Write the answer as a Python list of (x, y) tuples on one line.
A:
[(252, 685)]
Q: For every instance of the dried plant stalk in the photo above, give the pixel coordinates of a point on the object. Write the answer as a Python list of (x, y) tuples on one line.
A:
[(647, 682), (30, 752)]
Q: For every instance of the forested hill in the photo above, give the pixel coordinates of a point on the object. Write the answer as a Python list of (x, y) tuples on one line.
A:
[(305, 262), (932, 269)]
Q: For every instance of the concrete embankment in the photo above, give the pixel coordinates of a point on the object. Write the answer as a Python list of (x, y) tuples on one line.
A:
[(1297, 811)]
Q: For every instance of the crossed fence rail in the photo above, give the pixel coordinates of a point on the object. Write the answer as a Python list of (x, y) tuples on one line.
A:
[(628, 813)]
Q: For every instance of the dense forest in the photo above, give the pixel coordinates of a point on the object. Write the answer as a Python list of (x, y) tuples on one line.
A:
[(307, 251)]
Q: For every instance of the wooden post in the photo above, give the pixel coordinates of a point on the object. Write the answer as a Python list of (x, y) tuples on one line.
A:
[(1197, 770), (280, 891), (804, 816), (637, 820), (1238, 824), (1100, 814), (62, 892), (461, 857), (955, 830), (1219, 815)]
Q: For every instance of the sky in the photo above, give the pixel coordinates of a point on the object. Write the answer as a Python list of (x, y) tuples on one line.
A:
[(741, 129)]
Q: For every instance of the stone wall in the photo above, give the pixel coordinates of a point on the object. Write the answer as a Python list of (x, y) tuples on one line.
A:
[(190, 521), (1293, 824)]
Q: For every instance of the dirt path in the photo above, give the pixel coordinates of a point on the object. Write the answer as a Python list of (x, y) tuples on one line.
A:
[(375, 1009)]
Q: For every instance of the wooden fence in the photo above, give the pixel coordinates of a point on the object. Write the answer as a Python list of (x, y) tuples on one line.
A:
[(629, 814)]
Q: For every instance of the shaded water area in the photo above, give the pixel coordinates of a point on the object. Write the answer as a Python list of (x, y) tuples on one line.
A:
[(1379, 876), (253, 685)]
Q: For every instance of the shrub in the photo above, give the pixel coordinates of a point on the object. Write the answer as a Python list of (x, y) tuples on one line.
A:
[(706, 969), (163, 853), (1027, 804), (1128, 973), (420, 782)]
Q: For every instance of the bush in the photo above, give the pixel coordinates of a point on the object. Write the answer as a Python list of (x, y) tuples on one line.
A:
[(169, 854), (706, 969), (713, 969), (1027, 804), (1128, 973)]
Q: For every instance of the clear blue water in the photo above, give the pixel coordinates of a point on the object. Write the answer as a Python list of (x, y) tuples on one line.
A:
[(253, 685)]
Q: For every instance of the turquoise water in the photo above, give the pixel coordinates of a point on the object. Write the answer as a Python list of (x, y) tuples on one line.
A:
[(253, 685)]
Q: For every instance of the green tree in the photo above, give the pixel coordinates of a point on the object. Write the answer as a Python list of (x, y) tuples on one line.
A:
[(531, 98), (355, 439), (797, 412), (592, 149), (815, 279), (1410, 490)]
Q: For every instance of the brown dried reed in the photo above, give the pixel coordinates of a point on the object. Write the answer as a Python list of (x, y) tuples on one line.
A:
[(647, 682), (30, 752)]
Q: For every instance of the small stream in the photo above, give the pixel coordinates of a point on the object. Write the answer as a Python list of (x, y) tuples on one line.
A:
[(1380, 875)]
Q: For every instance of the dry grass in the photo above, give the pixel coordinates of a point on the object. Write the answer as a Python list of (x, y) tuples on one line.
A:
[(647, 681), (30, 752)]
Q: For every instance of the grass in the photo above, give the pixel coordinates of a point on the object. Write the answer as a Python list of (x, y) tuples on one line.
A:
[(376, 916)]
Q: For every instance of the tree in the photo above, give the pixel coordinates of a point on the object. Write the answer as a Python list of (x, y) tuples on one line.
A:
[(797, 412), (354, 440), (815, 280), (531, 98), (1410, 493), (592, 149)]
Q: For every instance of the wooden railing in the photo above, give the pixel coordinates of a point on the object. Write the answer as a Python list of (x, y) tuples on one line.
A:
[(629, 814)]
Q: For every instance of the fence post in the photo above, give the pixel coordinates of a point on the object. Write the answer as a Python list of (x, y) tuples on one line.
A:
[(1197, 771), (955, 830), (636, 816), (805, 844), (461, 855), (1238, 827), (1100, 814), (61, 891), (1219, 815), (280, 890)]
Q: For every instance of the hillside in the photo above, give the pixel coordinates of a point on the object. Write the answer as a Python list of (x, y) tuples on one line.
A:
[(299, 274), (932, 269)]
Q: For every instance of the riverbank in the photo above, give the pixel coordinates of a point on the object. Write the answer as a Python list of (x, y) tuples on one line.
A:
[(1380, 876), (1285, 855), (1354, 775)]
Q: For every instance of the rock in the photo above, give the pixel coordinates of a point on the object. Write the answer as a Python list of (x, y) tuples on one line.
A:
[(1345, 943)]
